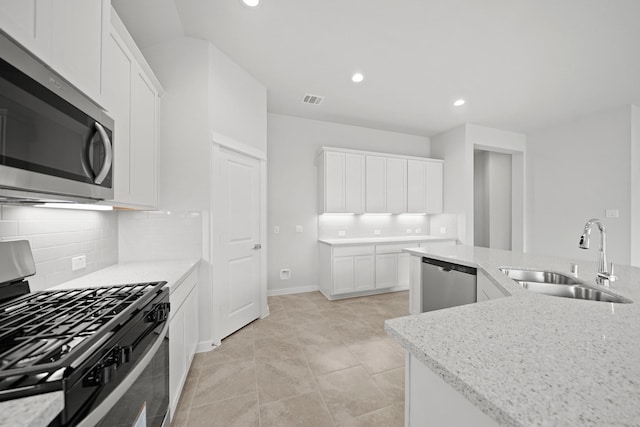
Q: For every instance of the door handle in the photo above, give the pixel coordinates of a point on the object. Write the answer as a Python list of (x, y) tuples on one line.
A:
[(257, 246), (108, 156)]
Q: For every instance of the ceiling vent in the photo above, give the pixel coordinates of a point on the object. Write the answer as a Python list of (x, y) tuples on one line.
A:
[(312, 99)]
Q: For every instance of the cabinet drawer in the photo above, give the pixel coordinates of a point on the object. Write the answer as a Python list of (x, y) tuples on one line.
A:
[(396, 248), (179, 295), (353, 250)]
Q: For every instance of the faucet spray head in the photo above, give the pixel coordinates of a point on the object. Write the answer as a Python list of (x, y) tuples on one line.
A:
[(584, 241)]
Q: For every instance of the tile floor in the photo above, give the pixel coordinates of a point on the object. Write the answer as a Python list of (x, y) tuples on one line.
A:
[(312, 362)]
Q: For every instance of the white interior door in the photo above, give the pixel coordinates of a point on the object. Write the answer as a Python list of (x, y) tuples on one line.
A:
[(240, 240)]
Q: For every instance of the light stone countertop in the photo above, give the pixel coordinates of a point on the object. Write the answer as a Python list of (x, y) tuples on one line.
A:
[(531, 359), (344, 241), (173, 272), (39, 410)]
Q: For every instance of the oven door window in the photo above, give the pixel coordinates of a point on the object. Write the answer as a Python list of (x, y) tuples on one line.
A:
[(146, 402), (41, 132)]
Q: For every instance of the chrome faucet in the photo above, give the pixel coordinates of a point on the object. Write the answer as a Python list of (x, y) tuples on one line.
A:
[(603, 277)]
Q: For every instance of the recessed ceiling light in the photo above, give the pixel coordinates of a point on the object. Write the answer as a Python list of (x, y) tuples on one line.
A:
[(251, 3), (357, 78), (459, 102)]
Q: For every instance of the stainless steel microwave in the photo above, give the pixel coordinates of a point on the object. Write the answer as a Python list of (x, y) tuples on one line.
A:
[(55, 143)]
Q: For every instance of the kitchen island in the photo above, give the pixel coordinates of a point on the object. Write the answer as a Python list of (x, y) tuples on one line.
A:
[(525, 359)]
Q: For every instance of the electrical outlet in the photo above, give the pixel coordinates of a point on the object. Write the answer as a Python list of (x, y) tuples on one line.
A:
[(418, 230), (276, 230), (342, 233), (376, 232), (409, 231), (285, 274), (78, 262), (612, 213), (443, 230), (298, 229)]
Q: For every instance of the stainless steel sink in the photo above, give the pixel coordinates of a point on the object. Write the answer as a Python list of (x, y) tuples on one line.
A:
[(558, 285), (540, 276)]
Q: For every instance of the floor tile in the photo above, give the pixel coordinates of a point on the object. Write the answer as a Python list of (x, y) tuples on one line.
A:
[(328, 357), (350, 393), (232, 349), (279, 347), (391, 383), (390, 416), (305, 410), (223, 381), (377, 355), (280, 379), (240, 411)]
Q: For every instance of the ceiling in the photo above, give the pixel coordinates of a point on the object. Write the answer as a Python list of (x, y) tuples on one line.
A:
[(521, 65)]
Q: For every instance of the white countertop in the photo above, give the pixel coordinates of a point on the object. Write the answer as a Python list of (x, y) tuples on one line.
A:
[(531, 359), (392, 239), (135, 272), (39, 410)]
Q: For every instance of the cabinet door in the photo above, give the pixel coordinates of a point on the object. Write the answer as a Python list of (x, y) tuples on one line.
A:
[(363, 272), (142, 150), (334, 182), (396, 175), (416, 186), (191, 325), (354, 183), (386, 270), (434, 187), (29, 23), (78, 28), (376, 184), (177, 361), (117, 84), (343, 277)]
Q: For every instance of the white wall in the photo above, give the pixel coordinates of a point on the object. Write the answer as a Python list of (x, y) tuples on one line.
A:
[(457, 153), (499, 188), (480, 206), (237, 102), (292, 194), (57, 235), (635, 186), (577, 170)]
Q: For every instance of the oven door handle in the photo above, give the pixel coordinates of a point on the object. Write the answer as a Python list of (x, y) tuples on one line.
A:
[(109, 402)]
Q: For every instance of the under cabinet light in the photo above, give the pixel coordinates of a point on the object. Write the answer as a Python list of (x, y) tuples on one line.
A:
[(77, 206), (378, 214), (414, 214), (338, 214)]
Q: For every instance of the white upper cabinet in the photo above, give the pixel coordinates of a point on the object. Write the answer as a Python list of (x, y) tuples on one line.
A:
[(364, 182), (376, 184), (424, 186), (396, 185), (29, 23), (67, 35), (132, 99), (354, 183), (341, 178)]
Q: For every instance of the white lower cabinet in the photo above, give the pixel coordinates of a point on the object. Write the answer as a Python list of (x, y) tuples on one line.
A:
[(352, 270), (386, 270), (431, 401), (415, 284), (183, 335)]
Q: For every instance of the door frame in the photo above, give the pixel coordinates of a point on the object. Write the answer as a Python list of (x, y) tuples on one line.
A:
[(219, 143)]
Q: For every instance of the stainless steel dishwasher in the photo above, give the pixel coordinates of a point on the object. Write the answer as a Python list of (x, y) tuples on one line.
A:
[(446, 285)]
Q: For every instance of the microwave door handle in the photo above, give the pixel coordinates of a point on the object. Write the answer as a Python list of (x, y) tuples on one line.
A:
[(108, 156)]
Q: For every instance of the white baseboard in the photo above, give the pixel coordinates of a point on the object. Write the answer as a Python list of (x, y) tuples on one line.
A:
[(288, 291), (204, 346), (365, 293)]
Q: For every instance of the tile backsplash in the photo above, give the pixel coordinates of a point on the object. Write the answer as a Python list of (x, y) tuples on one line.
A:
[(159, 235), (57, 235)]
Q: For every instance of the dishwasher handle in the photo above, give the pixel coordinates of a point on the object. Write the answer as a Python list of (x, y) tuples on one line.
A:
[(446, 267)]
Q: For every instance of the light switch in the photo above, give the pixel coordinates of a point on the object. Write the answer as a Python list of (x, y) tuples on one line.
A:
[(418, 230), (276, 230), (409, 231), (443, 230), (342, 233), (298, 229), (376, 232)]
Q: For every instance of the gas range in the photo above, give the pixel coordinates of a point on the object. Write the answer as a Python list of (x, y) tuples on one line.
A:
[(91, 343)]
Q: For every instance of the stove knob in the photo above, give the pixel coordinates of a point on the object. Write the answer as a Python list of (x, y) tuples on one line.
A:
[(124, 355), (107, 373)]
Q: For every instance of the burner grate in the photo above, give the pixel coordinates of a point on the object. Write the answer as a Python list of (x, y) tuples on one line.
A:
[(49, 326)]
